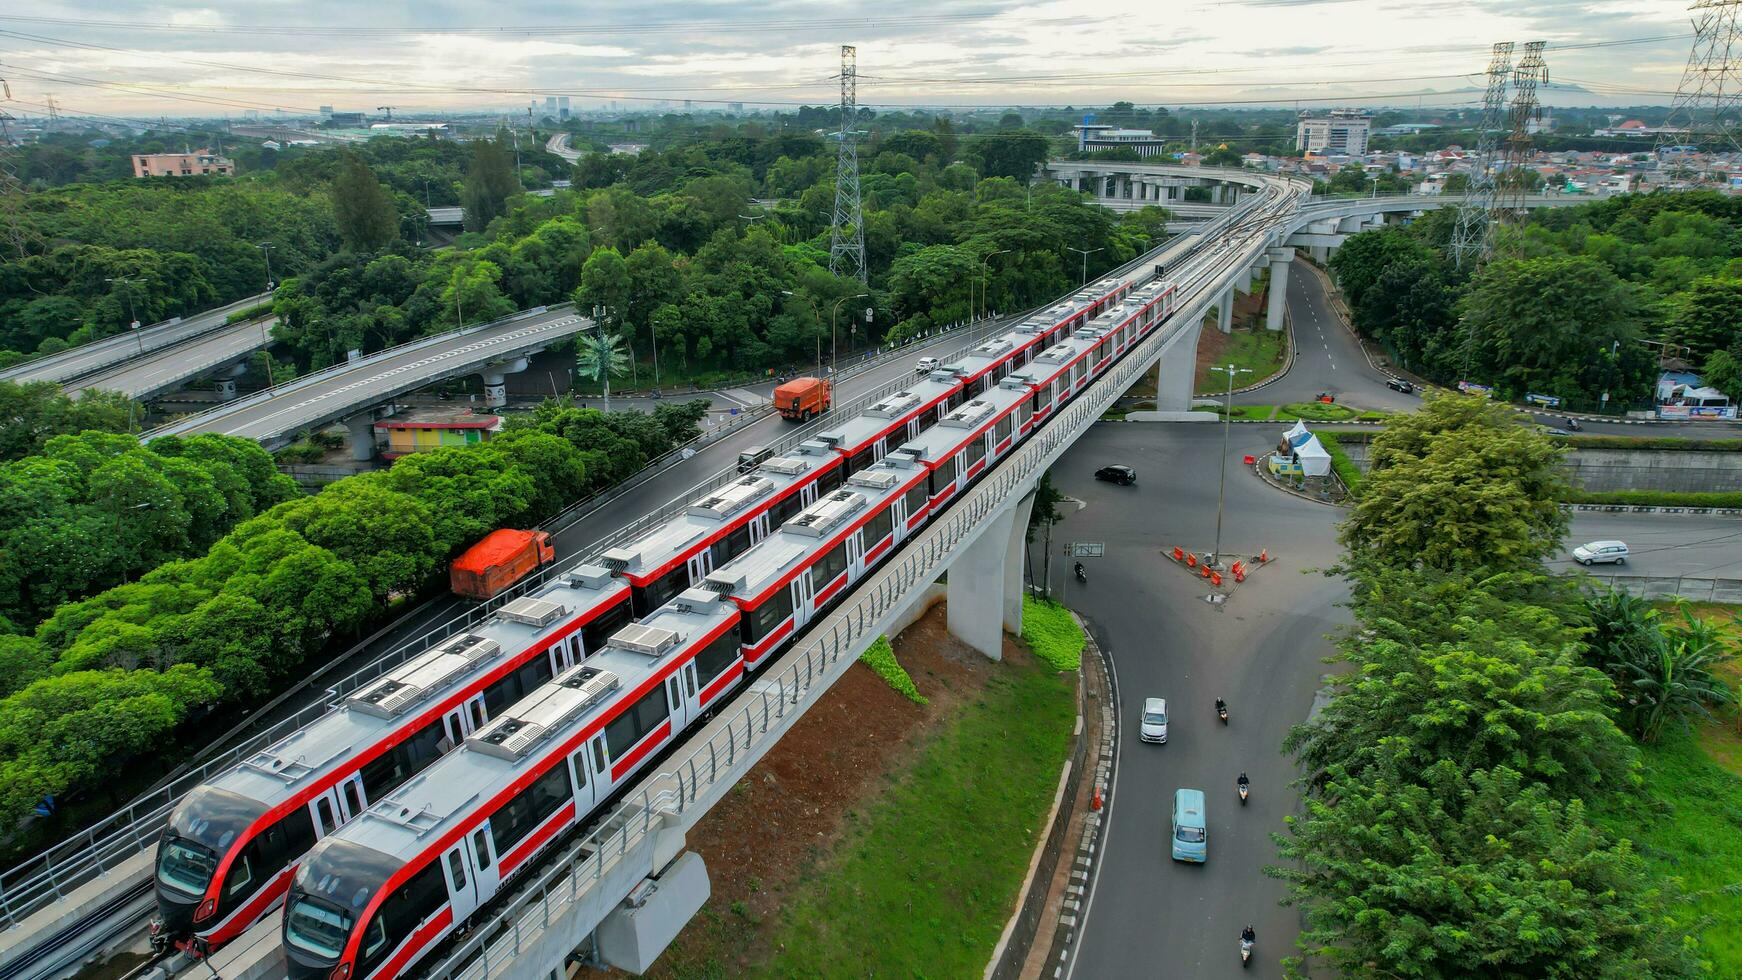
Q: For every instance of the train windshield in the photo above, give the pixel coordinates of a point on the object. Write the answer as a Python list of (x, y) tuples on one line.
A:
[(186, 866), (206, 824), (317, 927)]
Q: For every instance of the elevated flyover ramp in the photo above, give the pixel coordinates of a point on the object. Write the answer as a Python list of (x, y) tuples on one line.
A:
[(99, 355), (170, 368), (352, 389)]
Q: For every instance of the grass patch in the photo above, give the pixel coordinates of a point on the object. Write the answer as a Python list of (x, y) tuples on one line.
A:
[(1257, 350), (1671, 443), (1687, 823), (1318, 412), (1657, 498), (880, 657), (1051, 632), (926, 876), (1345, 467), (249, 313)]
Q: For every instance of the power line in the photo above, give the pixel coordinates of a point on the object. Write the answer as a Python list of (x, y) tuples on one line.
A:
[(685, 26)]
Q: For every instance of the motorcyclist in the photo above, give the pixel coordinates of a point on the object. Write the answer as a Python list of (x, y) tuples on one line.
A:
[(1081, 577), (1221, 707), (1248, 934), (1243, 782)]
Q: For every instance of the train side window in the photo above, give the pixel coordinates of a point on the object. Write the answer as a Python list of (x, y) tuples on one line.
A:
[(830, 480), (757, 624), (324, 808), (599, 754), (828, 568), (353, 801), (737, 542), (477, 714), (785, 510), (878, 527), (299, 833), (457, 869), (578, 762), (974, 452), (595, 633), (917, 495), (689, 681), (375, 937), (481, 847), (634, 724), (241, 874)]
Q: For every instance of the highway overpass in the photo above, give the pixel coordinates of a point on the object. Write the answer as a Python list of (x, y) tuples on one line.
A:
[(350, 392), (100, 355), (223, 352)]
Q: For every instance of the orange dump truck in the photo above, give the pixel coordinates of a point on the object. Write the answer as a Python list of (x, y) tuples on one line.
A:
[(802, 398), (503, 558)]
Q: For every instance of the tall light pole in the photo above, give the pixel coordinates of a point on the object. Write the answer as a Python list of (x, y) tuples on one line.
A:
[(833, 350), (1228, 410), (1085, 254), (128, 283), (983, 260), (266, 251)]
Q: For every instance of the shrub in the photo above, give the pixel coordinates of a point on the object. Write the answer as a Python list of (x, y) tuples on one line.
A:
[(1052, 633), (880, 657), (1658, 498)]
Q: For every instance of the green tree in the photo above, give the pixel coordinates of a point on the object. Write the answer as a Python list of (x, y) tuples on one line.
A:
[(1708, 316), (1012, 153), (36, 411), (599, 356), (1723, 371), (1458, 485), (607, 286), (1454, 873), (1559, 325), (365, 214), (490, 179)]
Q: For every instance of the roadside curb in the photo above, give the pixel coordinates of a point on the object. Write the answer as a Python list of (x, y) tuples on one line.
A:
[(1648, 509)]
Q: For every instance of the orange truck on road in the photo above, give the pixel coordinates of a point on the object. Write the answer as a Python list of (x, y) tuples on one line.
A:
[(501, 559), (802, 398)]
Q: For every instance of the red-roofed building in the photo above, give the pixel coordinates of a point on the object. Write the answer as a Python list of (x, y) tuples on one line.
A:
[(418, 435)]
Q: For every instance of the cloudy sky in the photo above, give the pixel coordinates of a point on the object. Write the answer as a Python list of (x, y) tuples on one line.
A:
[(126, 57)]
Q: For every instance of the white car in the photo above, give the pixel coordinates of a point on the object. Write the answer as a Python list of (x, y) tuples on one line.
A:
[(926, 365), (1598, 552), (1154, 727)]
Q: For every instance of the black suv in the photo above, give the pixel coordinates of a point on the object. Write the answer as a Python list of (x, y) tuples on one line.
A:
[(1398, 384), (1122, 475)]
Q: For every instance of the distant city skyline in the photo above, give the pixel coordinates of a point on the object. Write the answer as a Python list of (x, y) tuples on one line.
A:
[(128, 58)]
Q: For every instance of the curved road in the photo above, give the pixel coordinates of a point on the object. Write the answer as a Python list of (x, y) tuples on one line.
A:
[(100, 354), (160, 371)]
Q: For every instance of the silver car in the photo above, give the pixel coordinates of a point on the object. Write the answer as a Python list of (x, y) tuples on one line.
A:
[(1154, 726), (1599, 552)]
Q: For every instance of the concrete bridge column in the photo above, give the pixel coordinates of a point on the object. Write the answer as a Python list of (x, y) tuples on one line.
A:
[(985, 586), (1352, 224), (362, 432), (226, 381), (1320, 253), (1243, 281), (1225, 311), (495, 381), (1280, 260), (1176, 373)]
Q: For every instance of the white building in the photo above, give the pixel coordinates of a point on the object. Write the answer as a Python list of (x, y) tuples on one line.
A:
[(1091, 137), (1341, 131)]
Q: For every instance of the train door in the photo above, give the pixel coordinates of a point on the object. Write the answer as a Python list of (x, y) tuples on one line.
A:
[(898, 518), (565, 654), (464, 719), (581, 780), (462, 886), (680, 705), (801, 601), (855, 555), (601, 761), (700, 565), (758, 528), (485, 875)]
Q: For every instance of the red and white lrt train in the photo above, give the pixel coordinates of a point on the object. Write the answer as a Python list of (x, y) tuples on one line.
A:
[(226, 857), (378, 894)]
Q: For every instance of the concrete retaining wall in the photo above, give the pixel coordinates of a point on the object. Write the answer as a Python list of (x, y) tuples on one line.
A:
[(1634, 469)]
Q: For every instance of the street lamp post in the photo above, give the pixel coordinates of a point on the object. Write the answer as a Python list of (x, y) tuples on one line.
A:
[(132, 314), (1215, 559), (983, 261), (1085, 255), (266, 251), (833, 349)]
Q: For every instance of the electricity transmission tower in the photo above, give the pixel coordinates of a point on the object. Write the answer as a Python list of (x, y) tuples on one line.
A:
[(1470, 238), (1531, 71), (847, 236), (1709, 98)]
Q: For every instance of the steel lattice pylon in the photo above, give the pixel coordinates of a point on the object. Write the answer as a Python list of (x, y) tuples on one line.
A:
[(1530, 72), (847, 236), (1708, 102), (1470, 238)]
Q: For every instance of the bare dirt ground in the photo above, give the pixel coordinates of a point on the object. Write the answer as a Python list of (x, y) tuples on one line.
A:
[(1212, 342), (790, 811)]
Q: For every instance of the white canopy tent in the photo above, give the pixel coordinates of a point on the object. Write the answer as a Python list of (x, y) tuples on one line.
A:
[(1313, 459)]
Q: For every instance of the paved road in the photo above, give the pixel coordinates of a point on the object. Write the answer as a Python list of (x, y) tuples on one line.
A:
[(1149, 916), (1663, 544), (1328, 359), (165, 370), (559, 145), (301, 406), (99, 354)]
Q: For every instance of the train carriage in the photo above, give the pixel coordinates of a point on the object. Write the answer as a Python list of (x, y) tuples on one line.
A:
[(969, 440), (892, 420), (379, 893), (228, 851)]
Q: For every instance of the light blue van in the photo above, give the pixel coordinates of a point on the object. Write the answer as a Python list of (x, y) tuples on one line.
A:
[(1191, 832)]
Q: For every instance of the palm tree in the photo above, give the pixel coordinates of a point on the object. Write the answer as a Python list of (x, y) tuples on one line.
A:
[(598, 356), (1671, 679)]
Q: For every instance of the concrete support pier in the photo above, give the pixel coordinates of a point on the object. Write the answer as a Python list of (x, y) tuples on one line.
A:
[(985, 583), (1225, 311), (1280, 260), (362, 432), (496, 381), (1176, 373)]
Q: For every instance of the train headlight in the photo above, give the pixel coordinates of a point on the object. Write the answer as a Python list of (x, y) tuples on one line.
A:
[(340, 972), (206, 909)]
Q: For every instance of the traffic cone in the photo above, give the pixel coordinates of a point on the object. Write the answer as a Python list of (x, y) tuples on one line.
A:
[(1191, 560), (1179, 554), (1095, 802), (1264, 557), (1216, 579)]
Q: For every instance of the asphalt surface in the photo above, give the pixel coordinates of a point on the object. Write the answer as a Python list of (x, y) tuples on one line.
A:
[(1661, 544), (100, 354), (350, 391), (160, 371), (1147, 915), (1329, 360)]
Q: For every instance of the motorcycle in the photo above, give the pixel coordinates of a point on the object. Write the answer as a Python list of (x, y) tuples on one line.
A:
[(1222, 710), (1573, 424), (1082, 576), (1244, 785), (1248, 938)]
